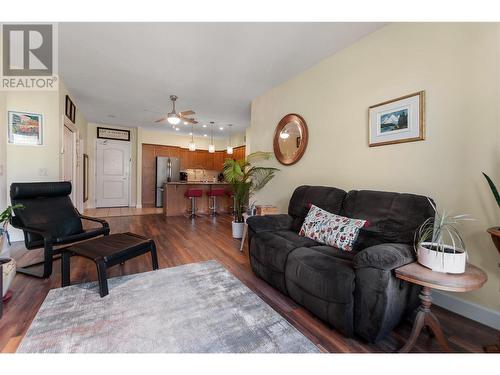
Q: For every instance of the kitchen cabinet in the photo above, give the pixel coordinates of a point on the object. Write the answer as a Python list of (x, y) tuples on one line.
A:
[(218, 160), (199, 159)]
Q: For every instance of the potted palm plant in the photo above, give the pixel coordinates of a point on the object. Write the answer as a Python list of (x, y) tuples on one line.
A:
[(9, 265), (439, 245), (246, 179), (494, 231)]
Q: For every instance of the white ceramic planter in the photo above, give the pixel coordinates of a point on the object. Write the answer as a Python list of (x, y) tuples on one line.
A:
[(439, 261), (238, 229), (9, 271)]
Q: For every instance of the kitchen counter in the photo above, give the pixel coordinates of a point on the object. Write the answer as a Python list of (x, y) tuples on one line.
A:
[(176, 204), (195, 183)]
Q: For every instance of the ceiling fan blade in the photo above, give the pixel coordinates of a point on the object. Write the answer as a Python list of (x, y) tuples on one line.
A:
[(161, 119), (186, 113), (189, 120)]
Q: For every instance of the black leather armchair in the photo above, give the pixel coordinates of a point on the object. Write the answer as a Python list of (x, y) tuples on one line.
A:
[(49, 220)]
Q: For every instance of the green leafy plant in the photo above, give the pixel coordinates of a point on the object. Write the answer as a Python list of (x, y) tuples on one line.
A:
[(246, 179), (5, 217), (439, 233), (493, 188)]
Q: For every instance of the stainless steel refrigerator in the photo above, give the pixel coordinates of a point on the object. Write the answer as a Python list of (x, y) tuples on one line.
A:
[(167, 170)]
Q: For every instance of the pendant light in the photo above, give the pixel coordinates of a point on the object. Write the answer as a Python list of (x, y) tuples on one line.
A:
[(192, 145), (229, 147), (172, 117), (211, 146)]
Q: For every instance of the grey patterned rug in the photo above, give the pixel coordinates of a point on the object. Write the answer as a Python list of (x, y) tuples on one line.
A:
[(195, 308)]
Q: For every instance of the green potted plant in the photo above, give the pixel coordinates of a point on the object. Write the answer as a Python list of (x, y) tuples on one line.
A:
[(439, 245), (8, 264), (246, 179), (494, 231)]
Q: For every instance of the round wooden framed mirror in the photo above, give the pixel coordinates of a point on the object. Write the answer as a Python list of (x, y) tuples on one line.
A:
[(290, 139)]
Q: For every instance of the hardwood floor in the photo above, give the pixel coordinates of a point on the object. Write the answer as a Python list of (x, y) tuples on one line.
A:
[(180, 241)]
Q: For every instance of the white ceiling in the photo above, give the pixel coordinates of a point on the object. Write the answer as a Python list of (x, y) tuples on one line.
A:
[(128, 70)]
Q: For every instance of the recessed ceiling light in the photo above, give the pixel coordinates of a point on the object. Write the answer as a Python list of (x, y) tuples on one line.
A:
[(205, 135), (204, 125), (177, 129), (221, 128), (185, 122), (190, 133)]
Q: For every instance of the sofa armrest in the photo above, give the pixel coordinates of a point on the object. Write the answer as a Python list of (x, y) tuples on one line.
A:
[(387, 256), (269, 223)]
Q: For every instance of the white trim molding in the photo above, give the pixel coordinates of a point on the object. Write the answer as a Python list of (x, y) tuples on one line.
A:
[(471, 310)]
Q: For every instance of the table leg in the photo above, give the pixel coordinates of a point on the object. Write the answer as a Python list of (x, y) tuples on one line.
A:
[(65, 268), (425, 318), (103, 277), (245, 232), (154, 256)]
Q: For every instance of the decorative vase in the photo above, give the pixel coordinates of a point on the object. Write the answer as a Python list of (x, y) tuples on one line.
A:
[(238, 229), (495, 236), (9, 271), (448, 261)]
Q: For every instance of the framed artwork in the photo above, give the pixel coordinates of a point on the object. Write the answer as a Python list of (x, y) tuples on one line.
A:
[(116, 134), (397, 121), (25, 128), (70, 109)]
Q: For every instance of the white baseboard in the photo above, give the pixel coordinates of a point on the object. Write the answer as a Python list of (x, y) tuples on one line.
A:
[(471, 310), (138, 206)]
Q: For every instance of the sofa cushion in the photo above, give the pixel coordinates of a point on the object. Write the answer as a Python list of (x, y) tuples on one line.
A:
[(271, 249), (330, 229), (323, 276), (333, 251), (327, 198), (392, 217)]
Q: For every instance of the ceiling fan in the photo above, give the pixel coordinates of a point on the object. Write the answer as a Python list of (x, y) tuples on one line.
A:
[(175, 118)]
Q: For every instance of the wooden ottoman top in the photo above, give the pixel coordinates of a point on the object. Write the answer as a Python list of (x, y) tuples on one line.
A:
[(110, 246)]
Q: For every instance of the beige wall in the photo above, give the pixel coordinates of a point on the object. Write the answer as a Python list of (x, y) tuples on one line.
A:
[(91, 152), (3, 152), (35, 163), (457, 65)]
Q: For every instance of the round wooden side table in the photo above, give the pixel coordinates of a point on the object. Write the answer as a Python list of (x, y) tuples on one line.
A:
[(473, 278)]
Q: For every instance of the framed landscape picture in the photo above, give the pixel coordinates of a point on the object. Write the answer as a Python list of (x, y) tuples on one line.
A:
[(25, 128), (397, 121)]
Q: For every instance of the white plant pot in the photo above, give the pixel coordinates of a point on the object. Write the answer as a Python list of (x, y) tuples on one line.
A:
[(447, 262), (9, 271), (238, 229)]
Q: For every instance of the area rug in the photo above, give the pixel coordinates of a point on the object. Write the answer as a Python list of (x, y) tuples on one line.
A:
[(195, 308)]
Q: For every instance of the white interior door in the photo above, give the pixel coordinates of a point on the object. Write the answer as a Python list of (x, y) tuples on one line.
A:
[(69, 160), (112, 173)]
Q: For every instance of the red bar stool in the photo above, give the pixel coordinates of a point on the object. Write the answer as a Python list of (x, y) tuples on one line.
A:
[(230, 194), (212, 196), (192, 194)]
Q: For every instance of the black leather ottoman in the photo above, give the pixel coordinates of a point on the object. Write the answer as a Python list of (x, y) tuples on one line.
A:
[(106, 252)]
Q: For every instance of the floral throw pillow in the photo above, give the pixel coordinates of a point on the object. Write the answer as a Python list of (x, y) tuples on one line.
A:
[(330, 229)]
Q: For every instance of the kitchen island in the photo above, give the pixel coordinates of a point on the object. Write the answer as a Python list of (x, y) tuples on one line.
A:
[(176, 204)]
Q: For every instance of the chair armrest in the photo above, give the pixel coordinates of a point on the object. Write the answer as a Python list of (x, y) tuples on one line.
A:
[(104, 223), (88, 234), (269, 223), (386, 256)]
